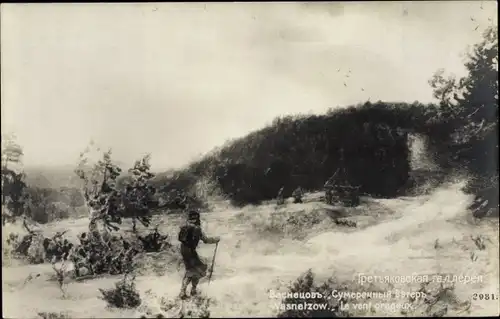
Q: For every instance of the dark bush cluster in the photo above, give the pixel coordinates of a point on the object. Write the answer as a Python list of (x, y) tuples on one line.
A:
[(96, 254), (56, 248), (21, 245), (113, 254), (124, 295), (35, 248)]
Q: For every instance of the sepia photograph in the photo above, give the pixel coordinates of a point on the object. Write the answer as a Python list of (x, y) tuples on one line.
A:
[(249, 159)]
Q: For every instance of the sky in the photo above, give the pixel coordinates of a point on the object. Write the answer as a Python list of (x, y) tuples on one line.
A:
[(178, 79)]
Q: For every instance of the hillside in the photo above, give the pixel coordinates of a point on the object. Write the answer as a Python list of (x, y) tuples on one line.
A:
[(306, 150), (371, 141)]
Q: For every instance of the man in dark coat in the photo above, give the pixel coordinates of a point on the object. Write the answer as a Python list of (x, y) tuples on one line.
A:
[(190, 235)]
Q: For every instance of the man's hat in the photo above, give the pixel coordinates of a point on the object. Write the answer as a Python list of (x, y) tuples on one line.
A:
[(193, 215)]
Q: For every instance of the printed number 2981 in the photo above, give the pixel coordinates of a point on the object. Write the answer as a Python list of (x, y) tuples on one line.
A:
[(484, 297)]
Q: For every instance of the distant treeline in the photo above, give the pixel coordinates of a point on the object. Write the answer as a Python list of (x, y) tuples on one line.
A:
[(46, 204), (42, 204)]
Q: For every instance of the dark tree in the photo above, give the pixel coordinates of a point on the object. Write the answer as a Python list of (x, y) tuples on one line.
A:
[(469, 110), (99, 190), (14, 191), (470, 118), (13, 181), (138, 195)]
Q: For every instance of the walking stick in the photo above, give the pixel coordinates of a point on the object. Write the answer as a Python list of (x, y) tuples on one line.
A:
[(213, 263)]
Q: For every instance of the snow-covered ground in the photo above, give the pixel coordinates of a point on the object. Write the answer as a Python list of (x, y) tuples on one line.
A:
[(398, 237)]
